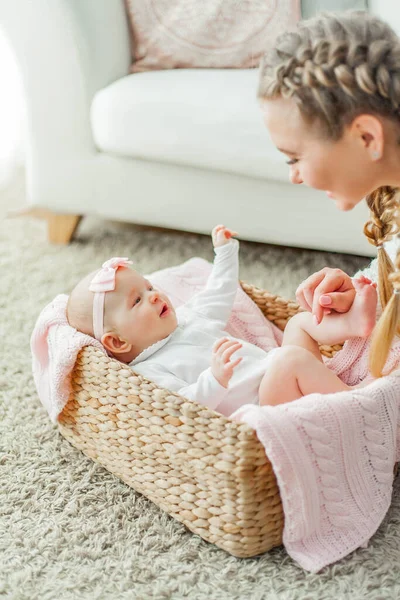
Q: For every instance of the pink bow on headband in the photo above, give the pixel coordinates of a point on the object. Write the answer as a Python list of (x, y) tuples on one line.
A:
[(102, 282)]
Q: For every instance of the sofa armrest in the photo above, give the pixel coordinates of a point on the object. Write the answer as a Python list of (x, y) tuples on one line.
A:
[(60, 66), (388, 11)]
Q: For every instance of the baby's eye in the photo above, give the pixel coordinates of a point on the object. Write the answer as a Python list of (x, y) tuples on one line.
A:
[(137, 300), (292, 161), (150, 288)]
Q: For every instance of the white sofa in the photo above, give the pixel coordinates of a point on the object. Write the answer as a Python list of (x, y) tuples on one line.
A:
[(183, 149)]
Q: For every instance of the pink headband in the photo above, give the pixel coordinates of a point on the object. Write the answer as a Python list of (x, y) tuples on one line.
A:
[(102, 282)]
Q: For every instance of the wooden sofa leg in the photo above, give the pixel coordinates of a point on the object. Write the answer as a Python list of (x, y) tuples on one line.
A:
[(61, 228)]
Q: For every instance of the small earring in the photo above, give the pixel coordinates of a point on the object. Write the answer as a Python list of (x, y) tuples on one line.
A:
[(376, 155)]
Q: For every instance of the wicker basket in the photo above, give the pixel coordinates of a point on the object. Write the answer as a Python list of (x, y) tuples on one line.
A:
[(208, 472)]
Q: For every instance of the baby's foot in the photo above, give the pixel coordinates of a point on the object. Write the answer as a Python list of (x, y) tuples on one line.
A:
[(362, 314)]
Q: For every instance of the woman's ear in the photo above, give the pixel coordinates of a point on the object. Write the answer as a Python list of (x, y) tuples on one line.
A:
[(369, 131), (114, 344)]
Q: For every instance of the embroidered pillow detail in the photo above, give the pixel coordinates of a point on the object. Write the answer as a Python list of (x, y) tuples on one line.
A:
[(170, 34)]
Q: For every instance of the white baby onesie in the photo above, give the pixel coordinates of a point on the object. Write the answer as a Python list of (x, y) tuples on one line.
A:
[(181, 362)]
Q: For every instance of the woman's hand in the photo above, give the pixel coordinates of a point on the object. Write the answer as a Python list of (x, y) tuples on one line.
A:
[(221, 235), (221, 365), (324, 291)]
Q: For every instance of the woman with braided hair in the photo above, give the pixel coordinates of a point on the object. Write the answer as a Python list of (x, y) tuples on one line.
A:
[(330, 94)]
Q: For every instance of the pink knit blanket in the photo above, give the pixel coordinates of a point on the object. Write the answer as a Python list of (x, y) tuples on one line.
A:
[(333, 456)]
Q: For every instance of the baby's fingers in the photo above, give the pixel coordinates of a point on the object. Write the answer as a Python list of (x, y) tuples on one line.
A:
[(217, 345), (221, 233), (230, 366), (234, 363), (217, 228), (229, 233), (228, 350)]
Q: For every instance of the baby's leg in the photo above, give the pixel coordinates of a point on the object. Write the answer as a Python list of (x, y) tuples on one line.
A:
[(297, 334), (295, 372), (297, 368)]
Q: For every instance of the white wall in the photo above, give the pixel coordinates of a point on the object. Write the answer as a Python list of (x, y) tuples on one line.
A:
[(388, 10), (12, 111)]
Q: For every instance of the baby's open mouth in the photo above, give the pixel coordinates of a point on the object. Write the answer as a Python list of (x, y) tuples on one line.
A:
[(164, 310)]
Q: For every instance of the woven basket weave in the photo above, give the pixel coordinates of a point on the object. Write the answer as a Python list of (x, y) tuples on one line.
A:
[(208, 472)]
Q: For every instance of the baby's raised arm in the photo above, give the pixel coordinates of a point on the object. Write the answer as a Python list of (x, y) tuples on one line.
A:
[(217, 298)]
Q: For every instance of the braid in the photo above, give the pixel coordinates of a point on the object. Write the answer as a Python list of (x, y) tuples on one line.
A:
[(381, 227), (336, 68), (387, 326)]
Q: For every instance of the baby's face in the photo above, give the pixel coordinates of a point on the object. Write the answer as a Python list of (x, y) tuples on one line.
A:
[(138, 313)]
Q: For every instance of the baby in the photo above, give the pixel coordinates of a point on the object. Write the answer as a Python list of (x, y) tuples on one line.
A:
[(189, 351)]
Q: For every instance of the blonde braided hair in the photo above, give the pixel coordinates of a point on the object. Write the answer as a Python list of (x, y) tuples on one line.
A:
[(336, 67), (387, 325), (379, 229)]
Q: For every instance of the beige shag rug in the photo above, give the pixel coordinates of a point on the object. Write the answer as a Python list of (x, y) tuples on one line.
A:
[(71, 530)]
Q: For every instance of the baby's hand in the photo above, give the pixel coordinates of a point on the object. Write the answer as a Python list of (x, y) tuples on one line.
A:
[(221, 235), (221, 366)]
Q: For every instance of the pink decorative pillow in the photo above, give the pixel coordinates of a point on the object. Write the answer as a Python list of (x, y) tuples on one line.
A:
[(170, 34)]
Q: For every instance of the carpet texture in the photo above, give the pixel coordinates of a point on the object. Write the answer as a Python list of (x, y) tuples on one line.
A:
[(71, 530)]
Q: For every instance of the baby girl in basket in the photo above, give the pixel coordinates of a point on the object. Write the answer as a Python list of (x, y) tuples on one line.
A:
[(188, 350)]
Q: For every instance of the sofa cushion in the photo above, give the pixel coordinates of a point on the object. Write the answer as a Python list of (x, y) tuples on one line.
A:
[(200, 117), (168, 34)]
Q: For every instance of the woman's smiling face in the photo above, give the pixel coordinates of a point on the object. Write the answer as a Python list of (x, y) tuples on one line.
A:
[(341, 168)]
